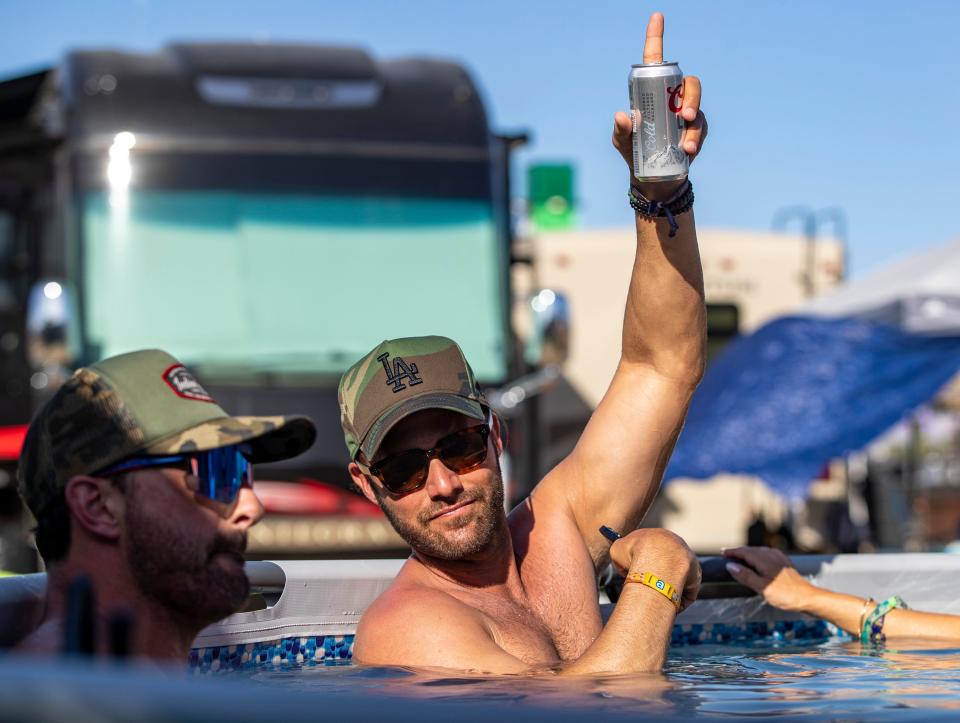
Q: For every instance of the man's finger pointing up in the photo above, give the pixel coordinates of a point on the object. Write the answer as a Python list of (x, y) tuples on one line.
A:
[(653, 46)]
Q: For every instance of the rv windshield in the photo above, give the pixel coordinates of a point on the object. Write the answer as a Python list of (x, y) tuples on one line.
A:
[(242, 284)]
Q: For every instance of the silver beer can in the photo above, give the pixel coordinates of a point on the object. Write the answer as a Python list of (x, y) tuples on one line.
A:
[(656, 98)]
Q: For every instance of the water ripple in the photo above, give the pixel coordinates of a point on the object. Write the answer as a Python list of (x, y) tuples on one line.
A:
[(834, 680)]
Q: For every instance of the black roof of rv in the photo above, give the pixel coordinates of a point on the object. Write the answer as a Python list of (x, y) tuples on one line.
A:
[(247, 91), (18, 95)]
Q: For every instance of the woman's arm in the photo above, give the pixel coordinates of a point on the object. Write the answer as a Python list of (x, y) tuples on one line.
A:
[(783, 587)]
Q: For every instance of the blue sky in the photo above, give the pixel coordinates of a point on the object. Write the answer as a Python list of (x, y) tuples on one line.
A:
[(848, 104)]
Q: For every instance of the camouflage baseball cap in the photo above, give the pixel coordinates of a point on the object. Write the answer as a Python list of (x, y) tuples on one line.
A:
[(142, 403), (400, 377)]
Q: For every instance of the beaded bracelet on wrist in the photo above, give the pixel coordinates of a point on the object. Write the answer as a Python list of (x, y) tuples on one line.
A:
[(679, 202), (863, 612), (872, 629)]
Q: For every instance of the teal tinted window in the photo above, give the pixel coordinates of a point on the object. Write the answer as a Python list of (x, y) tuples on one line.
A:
[(289, 284)]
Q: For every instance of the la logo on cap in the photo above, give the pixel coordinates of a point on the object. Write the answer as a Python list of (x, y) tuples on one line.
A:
[(400, 371), (185, 385)]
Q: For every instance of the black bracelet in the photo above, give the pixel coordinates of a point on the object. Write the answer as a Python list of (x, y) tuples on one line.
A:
[(679, 202)]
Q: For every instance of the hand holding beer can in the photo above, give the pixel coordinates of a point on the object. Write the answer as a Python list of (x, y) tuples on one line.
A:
[(656, 99)]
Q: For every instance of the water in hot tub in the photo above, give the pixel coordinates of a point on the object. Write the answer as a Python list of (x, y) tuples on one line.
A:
[(834, 679)]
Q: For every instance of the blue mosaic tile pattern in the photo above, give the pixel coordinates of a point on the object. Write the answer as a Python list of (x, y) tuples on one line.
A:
[(338, 649), (787, 630), (312, 650)]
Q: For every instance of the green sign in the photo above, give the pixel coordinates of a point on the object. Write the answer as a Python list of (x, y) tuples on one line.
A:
[(551, 196)]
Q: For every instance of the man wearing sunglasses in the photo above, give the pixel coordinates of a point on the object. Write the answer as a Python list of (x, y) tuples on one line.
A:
[(141, 484), (517, 593)]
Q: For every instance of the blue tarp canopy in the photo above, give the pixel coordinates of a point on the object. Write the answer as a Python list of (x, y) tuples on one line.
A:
[(782, 402)]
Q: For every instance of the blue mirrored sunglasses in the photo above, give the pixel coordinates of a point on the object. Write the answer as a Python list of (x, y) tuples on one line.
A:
[(221, 472)]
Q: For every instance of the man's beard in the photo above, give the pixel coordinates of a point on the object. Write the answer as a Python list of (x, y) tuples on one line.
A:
[(174, 567), (487, 511)]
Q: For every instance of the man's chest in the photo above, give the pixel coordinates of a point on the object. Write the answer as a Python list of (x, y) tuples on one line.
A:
[(556, 620), (565, 602), (560, 583), (519, 632)]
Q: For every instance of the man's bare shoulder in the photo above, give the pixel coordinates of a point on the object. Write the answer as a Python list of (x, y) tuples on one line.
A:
[(418, 626), (406, 617)]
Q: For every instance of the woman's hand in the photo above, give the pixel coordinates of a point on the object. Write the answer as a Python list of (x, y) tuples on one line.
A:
[(775, 577)]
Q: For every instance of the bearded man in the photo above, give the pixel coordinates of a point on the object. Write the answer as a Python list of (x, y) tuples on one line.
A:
[(142, 485), (517, 593)]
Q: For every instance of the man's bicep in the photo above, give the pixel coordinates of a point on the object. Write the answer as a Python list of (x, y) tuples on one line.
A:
[(443, 635), (614, 472)]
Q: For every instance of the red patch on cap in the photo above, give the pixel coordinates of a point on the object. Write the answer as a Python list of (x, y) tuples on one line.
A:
[(185, 385)]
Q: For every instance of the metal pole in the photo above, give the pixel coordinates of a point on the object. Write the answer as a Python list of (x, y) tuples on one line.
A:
[(838, 219), (809, 220), (810, 241)]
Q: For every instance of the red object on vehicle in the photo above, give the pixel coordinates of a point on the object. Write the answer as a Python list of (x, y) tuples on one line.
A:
[(11, 440), (311, 497)]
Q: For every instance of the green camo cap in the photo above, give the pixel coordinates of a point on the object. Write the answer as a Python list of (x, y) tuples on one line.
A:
[(142, 403), (400, 377)]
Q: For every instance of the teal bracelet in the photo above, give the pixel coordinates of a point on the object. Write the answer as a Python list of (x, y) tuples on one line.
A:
[(872, 631)]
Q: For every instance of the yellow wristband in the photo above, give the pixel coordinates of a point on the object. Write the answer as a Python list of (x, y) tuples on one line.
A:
[(655, 583)]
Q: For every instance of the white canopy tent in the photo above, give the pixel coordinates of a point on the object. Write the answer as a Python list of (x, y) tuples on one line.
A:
[(920, 293)]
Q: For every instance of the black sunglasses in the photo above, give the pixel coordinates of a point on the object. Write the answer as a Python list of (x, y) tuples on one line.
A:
[(407, 471)]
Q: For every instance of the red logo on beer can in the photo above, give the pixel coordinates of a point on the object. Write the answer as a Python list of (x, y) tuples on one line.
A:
[(675, 98)]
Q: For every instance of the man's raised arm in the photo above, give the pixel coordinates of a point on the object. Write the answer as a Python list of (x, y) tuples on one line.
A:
[(615, 470)]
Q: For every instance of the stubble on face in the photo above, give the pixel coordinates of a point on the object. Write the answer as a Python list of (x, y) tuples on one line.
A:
[(457, 539), (180, 564)]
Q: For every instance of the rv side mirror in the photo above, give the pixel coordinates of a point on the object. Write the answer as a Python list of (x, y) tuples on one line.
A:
[(50, 323), (549, 343)]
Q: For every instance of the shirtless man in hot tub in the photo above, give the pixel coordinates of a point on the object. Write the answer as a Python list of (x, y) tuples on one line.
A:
[(517, 593)]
